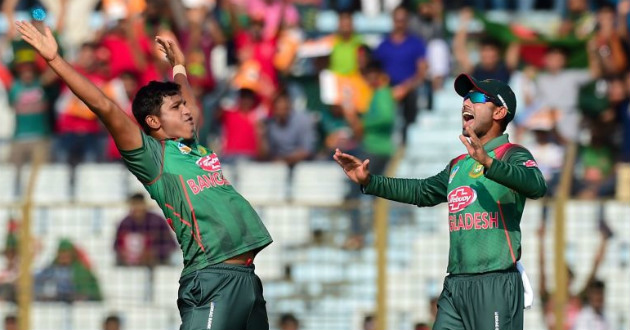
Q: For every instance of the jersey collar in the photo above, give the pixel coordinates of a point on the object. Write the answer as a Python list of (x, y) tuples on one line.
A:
[(496, 142)]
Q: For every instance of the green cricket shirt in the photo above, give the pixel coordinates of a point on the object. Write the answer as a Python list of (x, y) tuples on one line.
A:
[(485, 205), (211, 220)]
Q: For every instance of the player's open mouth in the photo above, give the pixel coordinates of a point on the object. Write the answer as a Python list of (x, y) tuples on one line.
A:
[(468, 116)]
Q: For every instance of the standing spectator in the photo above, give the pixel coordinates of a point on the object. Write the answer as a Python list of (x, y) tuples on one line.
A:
[(242, 128), (276, 13), (112, 322), (290, 134), (491, 63), (346, 44), (288, 321), (27, 96), (403, 58), (609, 45), (375, 128), (68, 278), (579, 21), (592, 316), (10, 322), (428, 24), (143, 238)]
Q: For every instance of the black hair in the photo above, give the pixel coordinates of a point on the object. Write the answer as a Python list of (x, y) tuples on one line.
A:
[(149, 99), (137, 197), (282, 93), (401, 7), (557, 49), (374, 66), (246, 93), (288, 317), (491, 42), (345, 12), (597, 285), (11, 318), (605, 6), (112, 318)]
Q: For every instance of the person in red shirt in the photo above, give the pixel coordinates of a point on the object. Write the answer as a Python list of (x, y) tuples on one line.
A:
[(243, 128)]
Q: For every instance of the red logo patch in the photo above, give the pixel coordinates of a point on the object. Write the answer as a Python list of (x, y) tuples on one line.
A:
[(530, 163), (209, 163), (460, 197)]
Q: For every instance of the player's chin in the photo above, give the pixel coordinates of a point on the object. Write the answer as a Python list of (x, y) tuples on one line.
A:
[(465, 133)]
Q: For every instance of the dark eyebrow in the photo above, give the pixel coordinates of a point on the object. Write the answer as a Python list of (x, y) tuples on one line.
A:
[(176, 104)]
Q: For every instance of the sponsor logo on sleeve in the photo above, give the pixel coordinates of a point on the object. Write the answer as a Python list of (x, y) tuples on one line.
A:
[(530, 163), (460, 197)]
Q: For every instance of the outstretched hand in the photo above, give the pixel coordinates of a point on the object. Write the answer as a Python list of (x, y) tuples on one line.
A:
[(355, 169), (475, 148), (44, 43), (171, 49)]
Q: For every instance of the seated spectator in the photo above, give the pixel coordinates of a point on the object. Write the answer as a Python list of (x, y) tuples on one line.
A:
[(578, 21), (596, 166), (290, 134), (492, 65), (68, 278), (242, 128), (288, 322), (143, 238), (10, 322), (112, 322), (592, 316), (29, 100)]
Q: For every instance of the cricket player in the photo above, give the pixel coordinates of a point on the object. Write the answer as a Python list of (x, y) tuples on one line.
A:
[(486, 191), (217, 229)]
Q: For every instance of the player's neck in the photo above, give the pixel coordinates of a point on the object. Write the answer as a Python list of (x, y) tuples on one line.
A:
[(490, 135)]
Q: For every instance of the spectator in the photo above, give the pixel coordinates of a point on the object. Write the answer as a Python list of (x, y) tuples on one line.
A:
[(290, 134), (574, 303), (9, 274), (143, 238), (242, 128), (578, 22), (369, 322), (592, 316), (549, 153), (491, 65), (623, 119), (276, 13), (346, 44), (68, 278), (289, 322), (112, 322), (403, 57), (375, 128), (28, 97), (421, 326), (428, 25), (10, 322), (596, 165), (609, 45), (557, 80), (79, 134)]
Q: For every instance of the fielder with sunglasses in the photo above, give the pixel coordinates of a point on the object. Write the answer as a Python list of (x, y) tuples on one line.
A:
[(486, 191)]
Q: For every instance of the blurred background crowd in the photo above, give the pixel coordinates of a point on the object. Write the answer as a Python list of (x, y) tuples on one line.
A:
[(290, 81)]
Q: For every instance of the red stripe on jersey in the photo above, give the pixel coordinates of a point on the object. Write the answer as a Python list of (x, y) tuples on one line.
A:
[(192, 211), (507, 236), (178, 215)]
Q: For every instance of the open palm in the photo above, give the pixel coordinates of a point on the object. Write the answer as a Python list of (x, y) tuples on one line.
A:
[(44, 43), (355, 169), (171, 49)]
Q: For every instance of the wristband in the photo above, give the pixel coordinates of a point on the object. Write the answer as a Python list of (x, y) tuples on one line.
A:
[(179, 69)]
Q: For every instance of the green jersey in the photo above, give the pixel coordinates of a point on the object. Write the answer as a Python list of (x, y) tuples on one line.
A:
[(211, 220), (485, 205)]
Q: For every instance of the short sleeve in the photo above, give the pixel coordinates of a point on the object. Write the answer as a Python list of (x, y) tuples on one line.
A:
[(147, 161)]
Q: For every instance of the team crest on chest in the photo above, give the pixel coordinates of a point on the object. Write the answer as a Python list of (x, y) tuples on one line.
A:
[(209, 163), (183, 148), (453, 172), (476, 171)]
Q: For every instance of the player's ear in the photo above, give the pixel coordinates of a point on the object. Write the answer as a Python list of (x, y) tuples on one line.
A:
[(153, 121), (499, 113)]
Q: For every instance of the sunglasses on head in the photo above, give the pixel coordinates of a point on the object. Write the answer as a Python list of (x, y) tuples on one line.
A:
[(479, 97)]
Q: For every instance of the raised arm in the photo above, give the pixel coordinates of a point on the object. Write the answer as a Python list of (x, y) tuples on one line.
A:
[(460, 39), (176, 58), (125, 132)]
